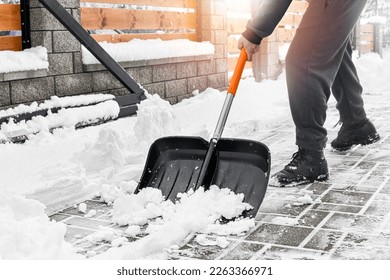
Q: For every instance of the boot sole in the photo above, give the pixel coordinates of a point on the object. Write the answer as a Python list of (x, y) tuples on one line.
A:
[(320, 178), (365, 143)]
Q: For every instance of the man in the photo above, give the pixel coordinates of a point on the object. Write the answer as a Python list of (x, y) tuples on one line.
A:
[(319, 62)]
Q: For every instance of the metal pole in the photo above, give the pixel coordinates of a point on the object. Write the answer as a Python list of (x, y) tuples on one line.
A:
[(25, 22)]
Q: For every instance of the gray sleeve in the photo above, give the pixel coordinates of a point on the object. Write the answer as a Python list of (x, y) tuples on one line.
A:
[(267, 17)]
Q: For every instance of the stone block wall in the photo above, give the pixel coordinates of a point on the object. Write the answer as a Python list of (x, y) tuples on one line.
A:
[(173, 78)]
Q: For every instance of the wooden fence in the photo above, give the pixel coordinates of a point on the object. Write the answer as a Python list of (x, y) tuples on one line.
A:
[(10, 21), (143, 19), (366, 38)]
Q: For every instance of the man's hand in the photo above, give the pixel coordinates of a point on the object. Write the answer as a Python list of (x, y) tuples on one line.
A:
[(250, 48)]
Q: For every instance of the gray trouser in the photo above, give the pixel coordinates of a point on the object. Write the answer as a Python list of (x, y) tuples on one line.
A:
[(319, 62)]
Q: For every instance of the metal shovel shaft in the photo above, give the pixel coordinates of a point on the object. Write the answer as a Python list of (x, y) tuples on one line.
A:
[(223, 116)]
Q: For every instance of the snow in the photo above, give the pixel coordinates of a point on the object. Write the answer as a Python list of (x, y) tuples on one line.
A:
[(156, 119), (193, 212), (67, 166), (27, 233), (66, 117), (56, 102), (138, 49), (30, 59), (82, 208)]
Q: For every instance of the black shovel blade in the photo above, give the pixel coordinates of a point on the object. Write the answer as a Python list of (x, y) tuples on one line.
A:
[(173, 165), (244, 167)]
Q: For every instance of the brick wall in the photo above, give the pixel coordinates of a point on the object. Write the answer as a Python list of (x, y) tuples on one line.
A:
[(173, 78)]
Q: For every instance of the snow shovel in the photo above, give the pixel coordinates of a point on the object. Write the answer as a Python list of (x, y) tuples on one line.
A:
[(177, 164)]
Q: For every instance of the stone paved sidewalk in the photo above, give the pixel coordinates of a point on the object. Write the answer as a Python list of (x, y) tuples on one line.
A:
[(349, 218)]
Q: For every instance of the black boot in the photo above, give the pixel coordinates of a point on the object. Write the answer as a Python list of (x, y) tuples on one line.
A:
[(306, 166), (362, 133)]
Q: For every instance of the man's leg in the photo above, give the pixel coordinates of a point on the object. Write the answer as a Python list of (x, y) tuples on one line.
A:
[(356, 128), (312, 63), (347, 90)]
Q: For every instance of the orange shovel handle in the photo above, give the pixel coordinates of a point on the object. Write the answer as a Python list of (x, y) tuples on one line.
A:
[(238, 72)]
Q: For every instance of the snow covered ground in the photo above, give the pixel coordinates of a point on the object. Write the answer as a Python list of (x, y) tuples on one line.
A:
[(55, 170)]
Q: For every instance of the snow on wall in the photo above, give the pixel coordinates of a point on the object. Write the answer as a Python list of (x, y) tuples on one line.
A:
[(137, 49), (29, 59)]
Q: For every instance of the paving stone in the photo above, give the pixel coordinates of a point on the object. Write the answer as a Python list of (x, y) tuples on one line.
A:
[(364, 247), (345, 178), (382, 170), (378, 208), (243, 251), (343, 164), (74, 234), (277, 234), (283, 253), (59, 217), (386, 188), (374, 181), (337, 208), (318, 188), (354, 188), (323, 240), (100, 207), (281, 207), (194, 250), (347, 198), (352, 223), (313, 218), (87, 223)]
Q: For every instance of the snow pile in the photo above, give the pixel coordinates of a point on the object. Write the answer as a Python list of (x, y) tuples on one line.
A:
[(170, 223), (155, 119), (138, 49), (69, 117), (57, 102), (29, 59), (106, 152), (27, 233), (110, 192)]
